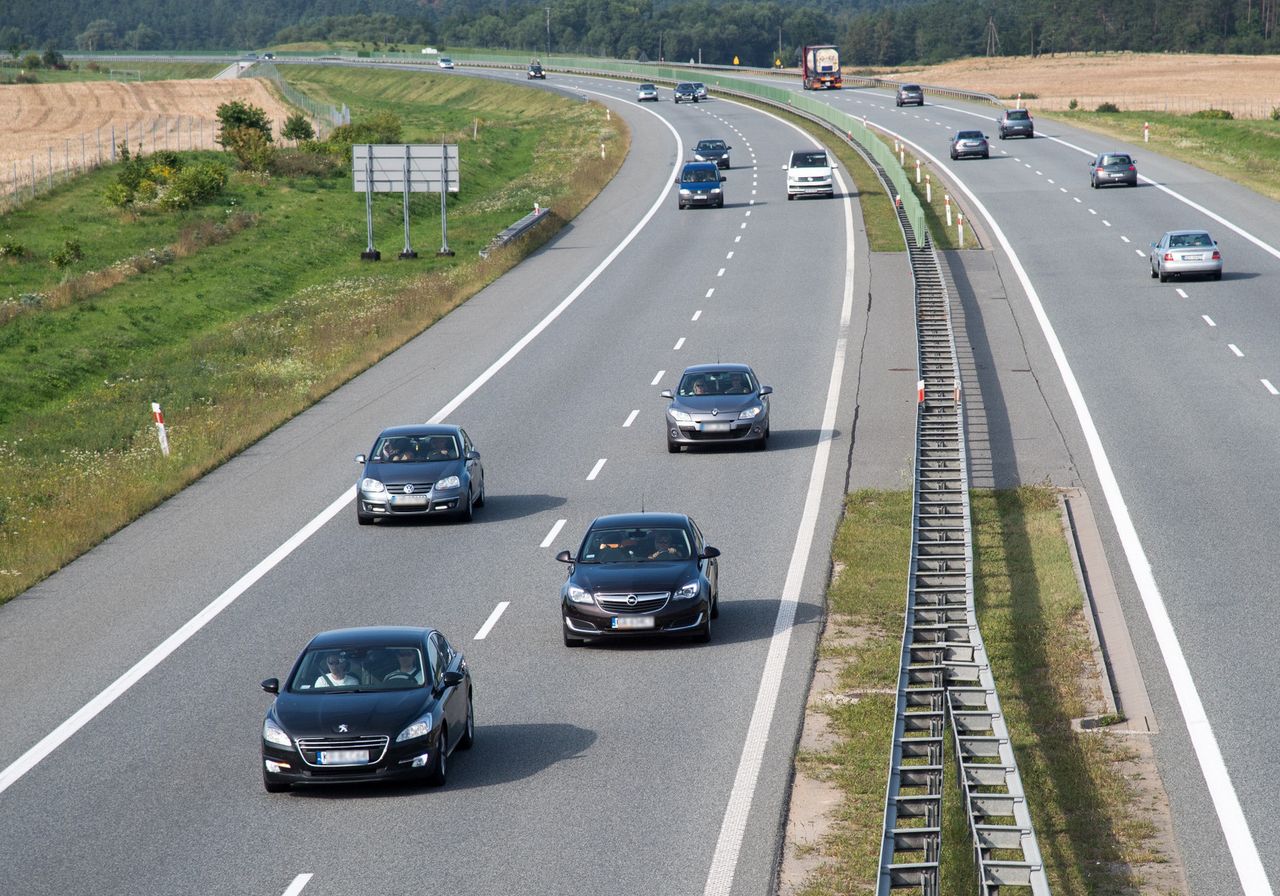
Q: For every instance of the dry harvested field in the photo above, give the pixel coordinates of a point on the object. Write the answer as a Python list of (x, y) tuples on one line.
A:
[(1246, 86), (75, 120)]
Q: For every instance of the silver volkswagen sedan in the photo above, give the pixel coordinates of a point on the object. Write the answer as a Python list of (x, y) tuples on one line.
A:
[(1185, 252), (718, 403)]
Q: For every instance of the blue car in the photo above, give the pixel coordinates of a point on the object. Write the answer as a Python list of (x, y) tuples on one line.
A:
[(699, 184)]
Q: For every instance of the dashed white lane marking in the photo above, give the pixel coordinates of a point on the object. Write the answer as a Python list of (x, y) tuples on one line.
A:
[(727, 257), (657, 379), (1106, 222), (751, 202), (595, 471), (1180, 292), (631, 418), (679, 344), (492, 620), (744, 226), (720, 273), (697, 314), (1140, 253), (1235, 351), (1063, 190), (1076, 198), (1207, 319), (1051, 180), (1093, 211), (1125, 238), (1039, 174), (709, 292), (551, 536), (1270, 388), (298, 883), (738, 238)]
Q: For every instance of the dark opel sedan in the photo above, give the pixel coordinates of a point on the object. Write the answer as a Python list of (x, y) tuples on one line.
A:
[(368, 704), (420, 470), (640, 574), (718, 403)]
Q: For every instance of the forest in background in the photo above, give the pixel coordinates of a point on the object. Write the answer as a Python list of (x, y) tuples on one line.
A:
[(757, 32)]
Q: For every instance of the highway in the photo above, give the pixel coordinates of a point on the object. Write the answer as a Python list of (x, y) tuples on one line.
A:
[(132, 766)]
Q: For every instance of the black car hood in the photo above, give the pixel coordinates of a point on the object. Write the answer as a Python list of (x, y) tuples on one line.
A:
[(431, 471), (727, 405), (319, 715), (626, 577)]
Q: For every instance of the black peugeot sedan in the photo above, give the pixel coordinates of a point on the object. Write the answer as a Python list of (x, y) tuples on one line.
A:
[(368, 704), (718, 403), (420, 470), (640, 574)]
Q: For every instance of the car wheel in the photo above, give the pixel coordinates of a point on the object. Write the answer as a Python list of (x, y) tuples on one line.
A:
[(364, 519), (1031, 136), (571, 641), (720, 204), (468, 507), (715, 606), (673, 447), (1093, 183), (790, 196), (480, 498), (436, 777), (270, 785), (468, 739), (1217, 275), (1153, 272), (704, 634), (986, 155), (1164, 278)]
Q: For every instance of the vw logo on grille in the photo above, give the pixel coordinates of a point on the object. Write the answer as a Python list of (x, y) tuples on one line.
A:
[(343, 729), (408, 489), (631, 600)]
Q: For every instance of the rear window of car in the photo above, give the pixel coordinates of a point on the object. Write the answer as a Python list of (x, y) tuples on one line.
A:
[(1017, 115), (910, 88), (969, 135), (1115, 160)]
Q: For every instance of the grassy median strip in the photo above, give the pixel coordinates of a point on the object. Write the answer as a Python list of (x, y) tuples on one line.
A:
[(239, 315), (1031, 614)]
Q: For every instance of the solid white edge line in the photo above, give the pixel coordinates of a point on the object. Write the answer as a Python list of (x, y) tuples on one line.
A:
[(551, 536), (296, 886), (595, 471), (1226, 802), (108, 695), (733, 828), (492, 620), (631, 418)]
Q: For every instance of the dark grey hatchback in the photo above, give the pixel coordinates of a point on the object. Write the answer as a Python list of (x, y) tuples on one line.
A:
[(718, 403), (640, 574), (1113, 168), (425, 469)]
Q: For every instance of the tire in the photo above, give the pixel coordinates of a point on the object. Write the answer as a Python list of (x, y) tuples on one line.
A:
[(271, 786), (954, 157), (672, 447), (571, 642), (715, 607), (1153, 272), (704, 634), (790, 196), (468, 739), (1031, 136), (480, 500), (439, 771), (364, 519), (1217, 275), (986, 155), (1093, 183), (467, 513), (1164, 278), (720, 204)]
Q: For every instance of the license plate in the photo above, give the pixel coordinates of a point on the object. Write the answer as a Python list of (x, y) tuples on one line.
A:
[(410, 500), (344, 757), (715, 427), (632, 622), (1197, 256)]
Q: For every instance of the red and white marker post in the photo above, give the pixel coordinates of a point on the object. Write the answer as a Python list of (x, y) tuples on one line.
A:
[(919, 391), (158, 416)]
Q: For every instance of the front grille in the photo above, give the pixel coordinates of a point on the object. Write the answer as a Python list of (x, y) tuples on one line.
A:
[(735, 433), (645, 603), (419, 488), (375, 744)]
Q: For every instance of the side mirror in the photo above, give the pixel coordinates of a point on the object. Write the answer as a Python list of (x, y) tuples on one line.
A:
[(360, 458), (766, 390), (564, 557), (709, 553), (676, 181), (666, 393), (786, 167), (832, 164), (473, 455), (271, 685), (452, 678), (723, 178)]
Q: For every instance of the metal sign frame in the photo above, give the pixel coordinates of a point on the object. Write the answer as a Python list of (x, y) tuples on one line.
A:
[(405, 168)]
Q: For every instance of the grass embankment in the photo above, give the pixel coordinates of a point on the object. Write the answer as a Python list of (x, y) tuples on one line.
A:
[(241, 314), (108, 70), (1031, 614)]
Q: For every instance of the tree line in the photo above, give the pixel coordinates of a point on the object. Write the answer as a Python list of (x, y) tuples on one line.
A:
[(755, 32)]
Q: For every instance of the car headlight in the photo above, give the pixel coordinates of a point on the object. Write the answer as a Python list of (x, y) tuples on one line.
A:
[(679, 416), (420, 728), (715, 189), (697, 157), (371, 486), (449, 482), (687, 592), (684, 192), (274, 734), (578, 595), (751, 413)]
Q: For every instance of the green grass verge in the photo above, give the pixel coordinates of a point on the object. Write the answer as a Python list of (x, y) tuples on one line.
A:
[(241, 314), (1031, 613), (102, 70)]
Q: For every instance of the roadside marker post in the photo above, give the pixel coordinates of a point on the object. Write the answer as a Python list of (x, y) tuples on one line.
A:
[(1146, 132), (928, 189), (158, 416), (946, 202)]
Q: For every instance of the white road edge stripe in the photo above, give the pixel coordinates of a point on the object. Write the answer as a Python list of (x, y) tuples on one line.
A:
[(551, 536), (81, 717), (491, 621), (733, 827), (1226, 802), (298, 883)]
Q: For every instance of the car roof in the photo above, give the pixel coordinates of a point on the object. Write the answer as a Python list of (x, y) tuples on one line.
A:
[(640, 520), (368, 636), (684, 84), (1185, 232), (699, 166), (715, 368), (421, 429), (710, 140)]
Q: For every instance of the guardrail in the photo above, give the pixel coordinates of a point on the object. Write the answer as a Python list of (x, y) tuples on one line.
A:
[(515, 231)]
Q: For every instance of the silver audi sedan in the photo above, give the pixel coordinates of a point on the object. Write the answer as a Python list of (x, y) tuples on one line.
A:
[(1185, 252), (717, 404)]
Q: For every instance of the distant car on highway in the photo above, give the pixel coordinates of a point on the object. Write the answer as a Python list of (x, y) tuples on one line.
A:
[(445, 62), (699, 184), (426, 469), (700, 90), (970, 143), (646, 93), (640, 574), (1181, 252), (718, 404), (712, 151), (368, 704), (1015, 123), (909, 95), (535, 71), (809, 173), (685, 93), (1113, 168)]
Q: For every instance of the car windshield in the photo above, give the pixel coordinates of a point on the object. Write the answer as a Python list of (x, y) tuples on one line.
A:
[(717, 382), (685, 87), (637, 544), (700, 176), (969, 135), (710, 145), (415, 449), (390, 667), (1017, 115), (809, 160), (647, 87)]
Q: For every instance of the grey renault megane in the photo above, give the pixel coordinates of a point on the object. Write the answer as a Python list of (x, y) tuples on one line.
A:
[(718, 403)]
